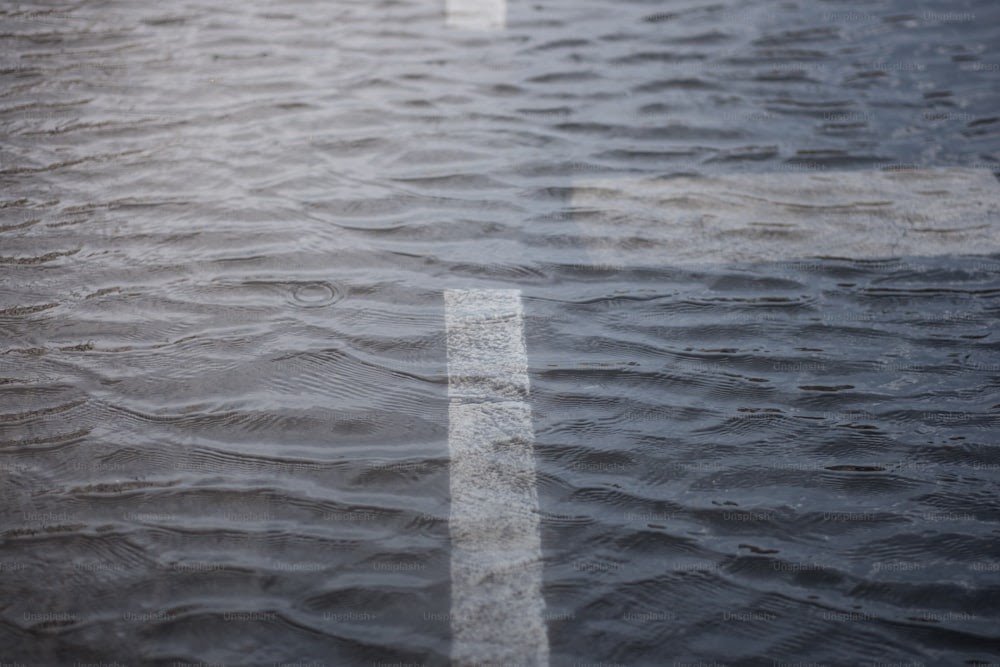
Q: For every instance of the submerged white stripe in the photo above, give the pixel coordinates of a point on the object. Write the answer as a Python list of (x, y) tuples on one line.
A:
[(788, 215), (477, 14), (497, 609)]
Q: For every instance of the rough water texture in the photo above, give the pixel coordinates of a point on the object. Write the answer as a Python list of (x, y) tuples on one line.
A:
[(226, 230)]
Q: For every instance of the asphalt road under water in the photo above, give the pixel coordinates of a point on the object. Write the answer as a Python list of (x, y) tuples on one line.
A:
[(226, 232)]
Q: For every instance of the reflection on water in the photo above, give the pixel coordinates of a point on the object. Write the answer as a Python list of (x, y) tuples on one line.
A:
[(225, 233)]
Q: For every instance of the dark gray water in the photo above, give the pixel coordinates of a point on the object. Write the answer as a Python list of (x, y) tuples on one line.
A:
[(225, 229)]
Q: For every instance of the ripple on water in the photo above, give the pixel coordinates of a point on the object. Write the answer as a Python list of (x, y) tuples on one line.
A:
[(315, 294)]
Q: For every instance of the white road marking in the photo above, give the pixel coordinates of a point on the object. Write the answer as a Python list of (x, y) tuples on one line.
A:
[(497, 609), (777, 216), (476, 14)]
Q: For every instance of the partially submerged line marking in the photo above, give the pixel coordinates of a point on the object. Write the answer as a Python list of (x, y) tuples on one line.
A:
[(476, 14), (788, 215), (497, 608)]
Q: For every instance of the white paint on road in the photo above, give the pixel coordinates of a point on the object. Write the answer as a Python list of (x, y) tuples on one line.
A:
[(482, 15), (497, 609), (786, 215)]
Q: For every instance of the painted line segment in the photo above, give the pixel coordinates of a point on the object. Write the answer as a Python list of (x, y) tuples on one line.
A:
[(484, 15), (497, 609), (788, 215)]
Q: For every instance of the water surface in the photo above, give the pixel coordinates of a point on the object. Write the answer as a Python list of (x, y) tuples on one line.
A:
[(225, 231)]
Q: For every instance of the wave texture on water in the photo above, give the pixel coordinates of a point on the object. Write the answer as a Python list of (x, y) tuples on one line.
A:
[(225, 231)]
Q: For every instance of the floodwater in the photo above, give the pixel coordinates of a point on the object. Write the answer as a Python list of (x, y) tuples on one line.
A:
[(225, 232)]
